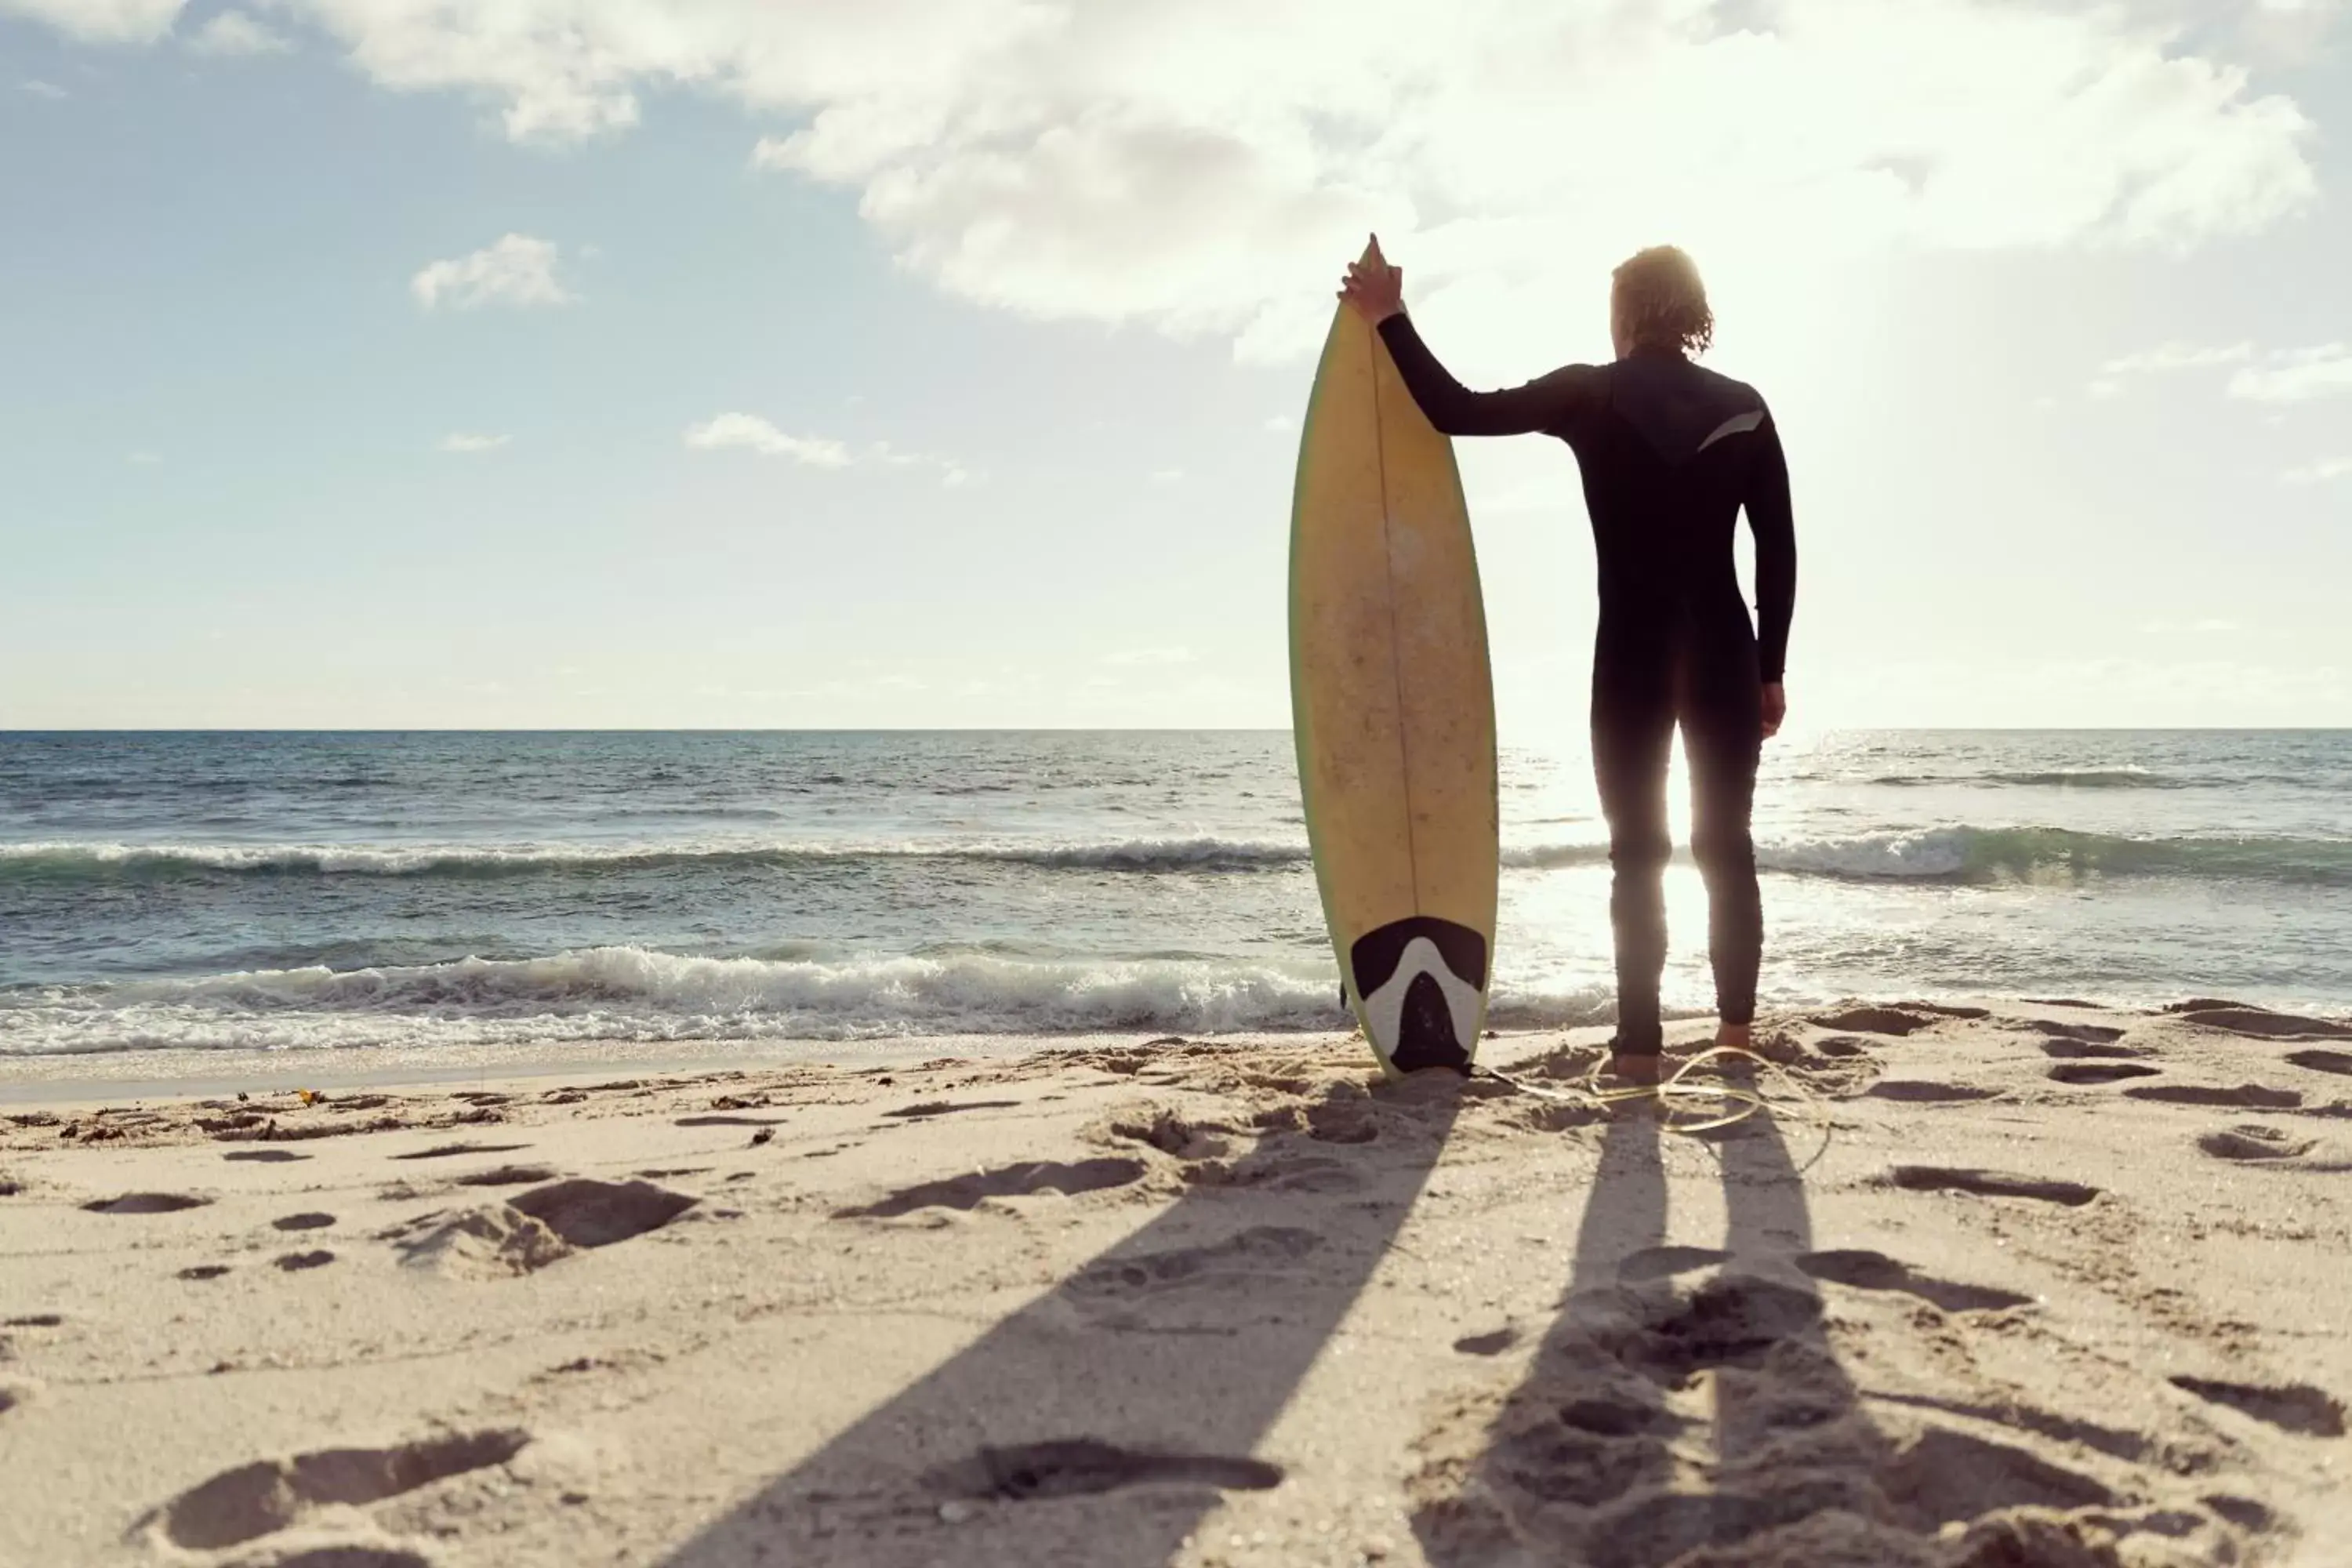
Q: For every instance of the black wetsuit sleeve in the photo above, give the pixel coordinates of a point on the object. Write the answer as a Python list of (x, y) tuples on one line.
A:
[(1769, 518), (1547, 404)]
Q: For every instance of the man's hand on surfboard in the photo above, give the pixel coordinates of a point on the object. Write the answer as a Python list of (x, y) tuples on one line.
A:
[(1373, 288), (1776, 707)]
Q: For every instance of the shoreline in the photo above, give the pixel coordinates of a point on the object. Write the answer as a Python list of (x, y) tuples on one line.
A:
[(175, 1072)]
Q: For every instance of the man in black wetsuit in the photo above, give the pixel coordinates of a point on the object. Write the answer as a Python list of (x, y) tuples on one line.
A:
[(1670, 454)]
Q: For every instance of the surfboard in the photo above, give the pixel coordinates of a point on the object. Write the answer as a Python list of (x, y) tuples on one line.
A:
[(1393, 707)]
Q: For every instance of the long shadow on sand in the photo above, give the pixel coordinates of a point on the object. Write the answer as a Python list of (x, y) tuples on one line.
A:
[(1688, 1408), (1100, 1422), (1685, 1398)]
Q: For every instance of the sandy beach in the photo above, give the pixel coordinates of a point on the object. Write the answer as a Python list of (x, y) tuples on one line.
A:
[(2051, 1285)]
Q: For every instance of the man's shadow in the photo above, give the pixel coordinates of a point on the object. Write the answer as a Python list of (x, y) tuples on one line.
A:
[(1684, 1398), (1152, 1372)]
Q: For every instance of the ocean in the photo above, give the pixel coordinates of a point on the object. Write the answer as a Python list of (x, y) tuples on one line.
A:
[(326, 890)]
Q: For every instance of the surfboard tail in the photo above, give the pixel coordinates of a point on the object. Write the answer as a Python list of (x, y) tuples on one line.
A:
[(1422, 989)]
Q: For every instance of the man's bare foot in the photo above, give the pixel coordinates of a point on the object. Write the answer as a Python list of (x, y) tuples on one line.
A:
[(1629, 1066), (1733, 1036)]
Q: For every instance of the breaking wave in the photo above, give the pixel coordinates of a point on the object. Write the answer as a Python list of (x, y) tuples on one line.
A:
[(94, 862), (636, 993)]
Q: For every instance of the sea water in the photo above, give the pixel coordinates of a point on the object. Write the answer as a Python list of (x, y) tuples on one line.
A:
[(346, 890)]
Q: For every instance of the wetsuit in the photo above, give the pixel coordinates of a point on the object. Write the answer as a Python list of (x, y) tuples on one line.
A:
[(1670, 453)]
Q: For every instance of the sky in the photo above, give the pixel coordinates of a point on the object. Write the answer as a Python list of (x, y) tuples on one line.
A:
[(865, 363)]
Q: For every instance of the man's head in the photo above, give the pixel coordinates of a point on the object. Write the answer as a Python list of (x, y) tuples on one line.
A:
[(1656, 301)]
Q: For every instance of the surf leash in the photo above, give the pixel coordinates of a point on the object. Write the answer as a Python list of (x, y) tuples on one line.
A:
[(1737, 1102)]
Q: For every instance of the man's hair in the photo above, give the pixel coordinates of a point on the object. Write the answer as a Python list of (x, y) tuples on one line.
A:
[(1657, 295)]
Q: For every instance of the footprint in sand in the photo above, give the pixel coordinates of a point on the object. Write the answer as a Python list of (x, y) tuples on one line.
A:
[(2291, 1407), (533, 1229), (508, 1176), (1253, 1254), (204, 1271), (587, 1213), (271, 1495), (34, 1321), (1728, 1321), (296, 1262), (1666, 1262), (146, 1203), (1170, 1132), (1866, 1270), (728, 1122), (353, 1556), (265, 1156), (2242, 1511), (2082, 1034), (1010, 1182), (450, 1151), (1990, 1183), (1919, 1091), (2322, 1061), (2249, 1096), (2254, 1142), (1876, 1021), (948, 1108), (2089, 1050), (302, 1222), (1952, 1478), (1312, 1174), (2099, 1072), (2259, 1023), (1494, 1341), (1088, 1467)]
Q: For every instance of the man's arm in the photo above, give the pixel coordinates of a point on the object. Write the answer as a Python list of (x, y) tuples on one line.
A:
[(1545, 403), (1769, 518)]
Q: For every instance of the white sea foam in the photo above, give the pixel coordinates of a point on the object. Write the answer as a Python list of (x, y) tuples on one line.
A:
[(65, 860), (631, 993)]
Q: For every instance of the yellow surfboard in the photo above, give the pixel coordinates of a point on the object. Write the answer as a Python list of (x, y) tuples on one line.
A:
[(1392, 705)]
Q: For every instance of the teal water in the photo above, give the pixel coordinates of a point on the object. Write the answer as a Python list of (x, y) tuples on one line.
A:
[(231, 891)]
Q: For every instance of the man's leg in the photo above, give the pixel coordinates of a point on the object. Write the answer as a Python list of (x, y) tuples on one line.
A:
[(1633, 734), (1722, 722)]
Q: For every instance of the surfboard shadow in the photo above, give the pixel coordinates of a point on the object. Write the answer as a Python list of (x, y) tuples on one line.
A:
[(1100, 1422), (1660, 1353)]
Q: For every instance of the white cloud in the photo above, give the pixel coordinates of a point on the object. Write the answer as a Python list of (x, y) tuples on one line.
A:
[(2170, 356), (239, 33), (1122, 160), (749, 430), (100, 21), (1282, 425), (518, 270), (465, 441), (2163, 359), (1152, 656), (40, 88), (2319, 473), (754, 434), (2297, 375)]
